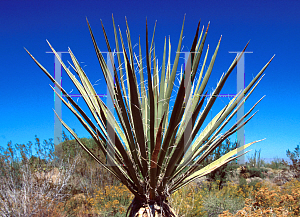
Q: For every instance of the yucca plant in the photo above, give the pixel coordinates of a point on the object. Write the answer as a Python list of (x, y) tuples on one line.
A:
[(155, 149)]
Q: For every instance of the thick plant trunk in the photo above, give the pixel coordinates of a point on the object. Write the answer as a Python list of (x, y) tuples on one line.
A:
[(138, 208)]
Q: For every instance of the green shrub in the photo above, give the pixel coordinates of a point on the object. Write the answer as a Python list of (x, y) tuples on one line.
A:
[(221, 174), (295, 158), (257, 172), (254, 184), (242, 182), (215, 205)]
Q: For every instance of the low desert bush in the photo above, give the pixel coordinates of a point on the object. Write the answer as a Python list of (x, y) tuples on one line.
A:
[(31, 185), (188, 201), (277, 164), (271, 200), (60, 183), (257, 172), (208, 200), (253, 199), (111, 201), (295, 158)]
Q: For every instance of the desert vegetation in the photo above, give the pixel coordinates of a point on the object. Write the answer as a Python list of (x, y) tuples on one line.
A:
[(41, 179), (152, 146)]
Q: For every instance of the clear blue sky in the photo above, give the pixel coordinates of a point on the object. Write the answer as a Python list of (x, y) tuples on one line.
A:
[(273, 27)]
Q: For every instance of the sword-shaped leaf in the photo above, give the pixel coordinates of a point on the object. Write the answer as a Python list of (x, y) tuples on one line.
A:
[(217, 163), (155, 149)]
